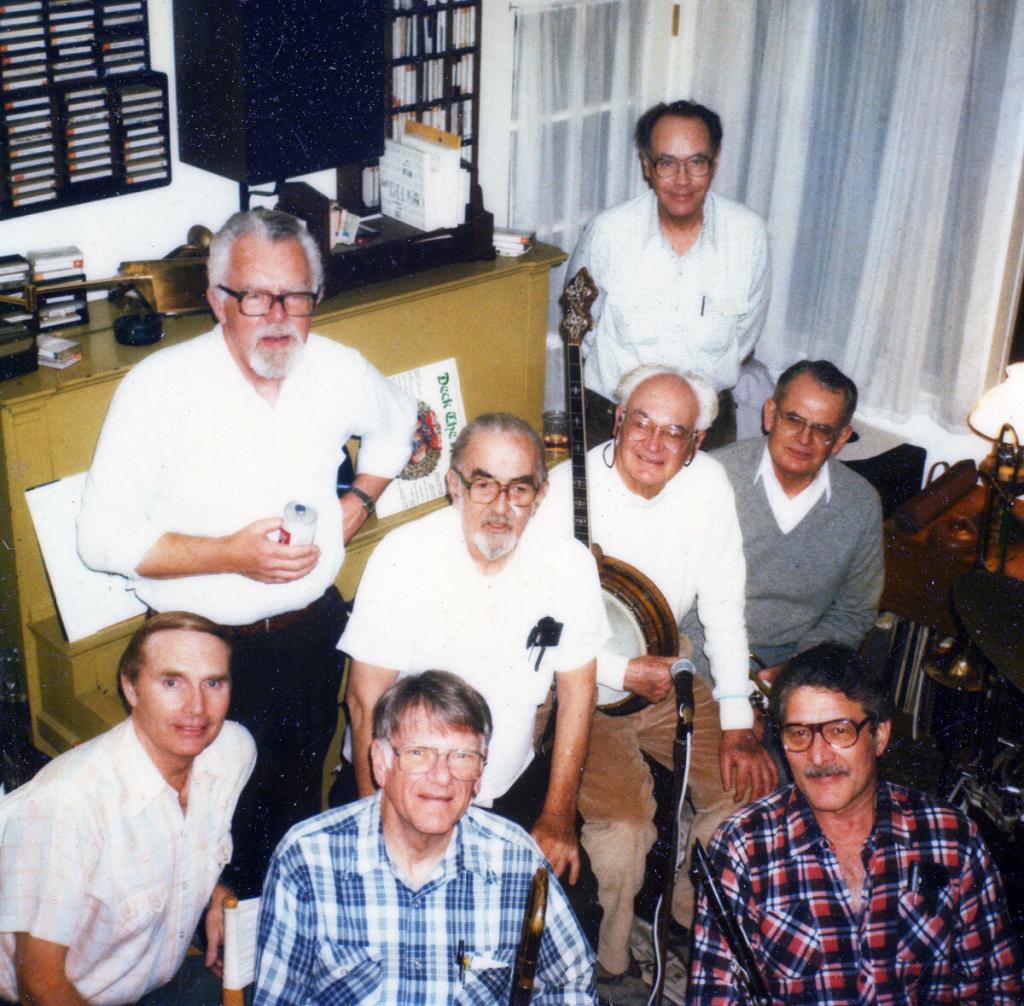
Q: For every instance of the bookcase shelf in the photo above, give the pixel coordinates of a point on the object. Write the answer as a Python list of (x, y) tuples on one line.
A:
[(433, 55)]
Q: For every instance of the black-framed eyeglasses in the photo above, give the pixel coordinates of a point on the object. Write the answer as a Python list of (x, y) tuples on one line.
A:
[(696, 166), (795, 424), (638, 425), (520, 492), (256, 303), (465, 764), (797, 737)]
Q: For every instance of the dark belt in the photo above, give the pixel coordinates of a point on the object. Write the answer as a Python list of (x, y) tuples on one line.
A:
[(267, 626)]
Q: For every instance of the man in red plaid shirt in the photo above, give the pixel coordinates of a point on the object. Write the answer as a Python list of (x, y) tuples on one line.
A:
[(852, 890)]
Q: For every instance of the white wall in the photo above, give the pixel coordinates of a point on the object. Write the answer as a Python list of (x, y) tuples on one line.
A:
[(149, 224), (144, 224)]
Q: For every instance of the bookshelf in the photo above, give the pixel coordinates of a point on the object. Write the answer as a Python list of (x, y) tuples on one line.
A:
[(432, 48), (82, 116)]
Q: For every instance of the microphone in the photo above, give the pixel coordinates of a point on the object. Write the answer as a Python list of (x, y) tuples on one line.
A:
[(683, 671), (680, 665)]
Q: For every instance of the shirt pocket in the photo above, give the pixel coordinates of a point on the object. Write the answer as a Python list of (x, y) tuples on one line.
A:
[(137, 913), (792, 950), (713, 331), (924, 937), (347, 973), (484, 985)]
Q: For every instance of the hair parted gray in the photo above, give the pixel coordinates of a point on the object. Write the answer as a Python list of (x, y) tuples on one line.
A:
[(828, 375), (707, 398), (266, 225), (833, 667), (445, 698), (501, 422)]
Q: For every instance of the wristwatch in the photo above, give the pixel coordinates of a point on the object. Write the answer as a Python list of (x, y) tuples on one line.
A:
[(369, 503)]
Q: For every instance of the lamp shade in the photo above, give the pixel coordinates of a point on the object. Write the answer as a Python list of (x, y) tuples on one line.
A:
[(1002, 404)]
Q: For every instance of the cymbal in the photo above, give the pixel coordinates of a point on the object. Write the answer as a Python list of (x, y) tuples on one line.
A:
[(955, 671), (991, 608)]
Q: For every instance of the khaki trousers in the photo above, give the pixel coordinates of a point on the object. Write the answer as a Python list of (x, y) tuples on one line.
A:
[(617, 803)]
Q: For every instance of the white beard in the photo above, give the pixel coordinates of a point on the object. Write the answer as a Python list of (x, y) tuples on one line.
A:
[(494, 547), (275, 364)]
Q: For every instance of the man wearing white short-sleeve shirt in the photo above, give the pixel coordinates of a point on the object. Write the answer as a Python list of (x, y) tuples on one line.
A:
[(475, 590), (111, 853)]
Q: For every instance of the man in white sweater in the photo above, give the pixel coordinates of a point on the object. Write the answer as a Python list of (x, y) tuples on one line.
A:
[(659, 504)]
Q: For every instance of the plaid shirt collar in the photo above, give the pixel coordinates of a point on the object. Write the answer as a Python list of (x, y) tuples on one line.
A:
[(462, 854), (892, 825)]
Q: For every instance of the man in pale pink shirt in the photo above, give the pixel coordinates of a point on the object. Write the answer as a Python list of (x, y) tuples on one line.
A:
[(111, 853)]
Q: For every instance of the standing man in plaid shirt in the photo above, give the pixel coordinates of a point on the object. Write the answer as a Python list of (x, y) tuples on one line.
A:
[(852, 890), (411, 896)]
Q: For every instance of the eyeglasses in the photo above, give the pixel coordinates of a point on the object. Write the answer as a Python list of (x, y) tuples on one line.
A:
[(483, 490), (639, 426), (795, 424), (464, 764), (797, 737), (665, 166), (256, 303)]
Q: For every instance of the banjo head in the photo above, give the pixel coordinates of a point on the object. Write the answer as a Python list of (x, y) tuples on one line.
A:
[(627, 640)]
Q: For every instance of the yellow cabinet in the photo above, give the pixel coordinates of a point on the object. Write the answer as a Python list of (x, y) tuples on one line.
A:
[(490, 316)]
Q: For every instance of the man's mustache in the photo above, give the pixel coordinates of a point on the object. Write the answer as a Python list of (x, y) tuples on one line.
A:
[(824, 771)]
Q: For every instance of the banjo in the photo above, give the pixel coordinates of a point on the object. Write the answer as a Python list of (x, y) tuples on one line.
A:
[(641, 619)]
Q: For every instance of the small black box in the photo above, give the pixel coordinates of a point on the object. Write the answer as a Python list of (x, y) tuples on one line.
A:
[(18, 351)]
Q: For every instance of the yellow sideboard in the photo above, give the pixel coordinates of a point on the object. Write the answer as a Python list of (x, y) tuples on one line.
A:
[(490, 316)]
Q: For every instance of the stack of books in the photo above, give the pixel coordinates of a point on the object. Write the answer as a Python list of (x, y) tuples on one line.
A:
[(58, 353), (58, 308), (508, 241), (422, 181), (14, 274)]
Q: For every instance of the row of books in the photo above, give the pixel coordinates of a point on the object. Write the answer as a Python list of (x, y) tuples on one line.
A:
[(462, 76), (107, 133), (419, 35), (464, 27), (406, 5)]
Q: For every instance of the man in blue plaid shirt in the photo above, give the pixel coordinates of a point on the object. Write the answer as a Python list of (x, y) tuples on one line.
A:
[(411, 897), (852, 890)]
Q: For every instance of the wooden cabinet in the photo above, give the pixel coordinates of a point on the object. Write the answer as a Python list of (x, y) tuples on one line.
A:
[(491, 316)]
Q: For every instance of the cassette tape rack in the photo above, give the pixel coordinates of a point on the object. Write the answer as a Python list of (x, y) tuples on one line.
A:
[(82, 115)]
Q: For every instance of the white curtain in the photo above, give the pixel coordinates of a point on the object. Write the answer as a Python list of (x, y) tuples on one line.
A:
[(579, 66), (883, 141)]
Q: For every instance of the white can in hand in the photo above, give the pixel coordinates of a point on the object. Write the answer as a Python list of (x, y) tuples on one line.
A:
[(299, 527)]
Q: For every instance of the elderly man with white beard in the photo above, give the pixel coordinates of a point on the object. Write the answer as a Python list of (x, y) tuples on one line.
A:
[(204, 445), (478, 590)]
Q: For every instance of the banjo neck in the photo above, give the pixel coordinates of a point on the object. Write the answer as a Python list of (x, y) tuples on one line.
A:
[(579, 297), (578, 444)]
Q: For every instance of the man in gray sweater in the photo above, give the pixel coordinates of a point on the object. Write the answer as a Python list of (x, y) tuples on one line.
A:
[(812, 529)]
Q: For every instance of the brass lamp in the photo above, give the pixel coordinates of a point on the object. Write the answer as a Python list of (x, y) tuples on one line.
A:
[(997, 417)]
